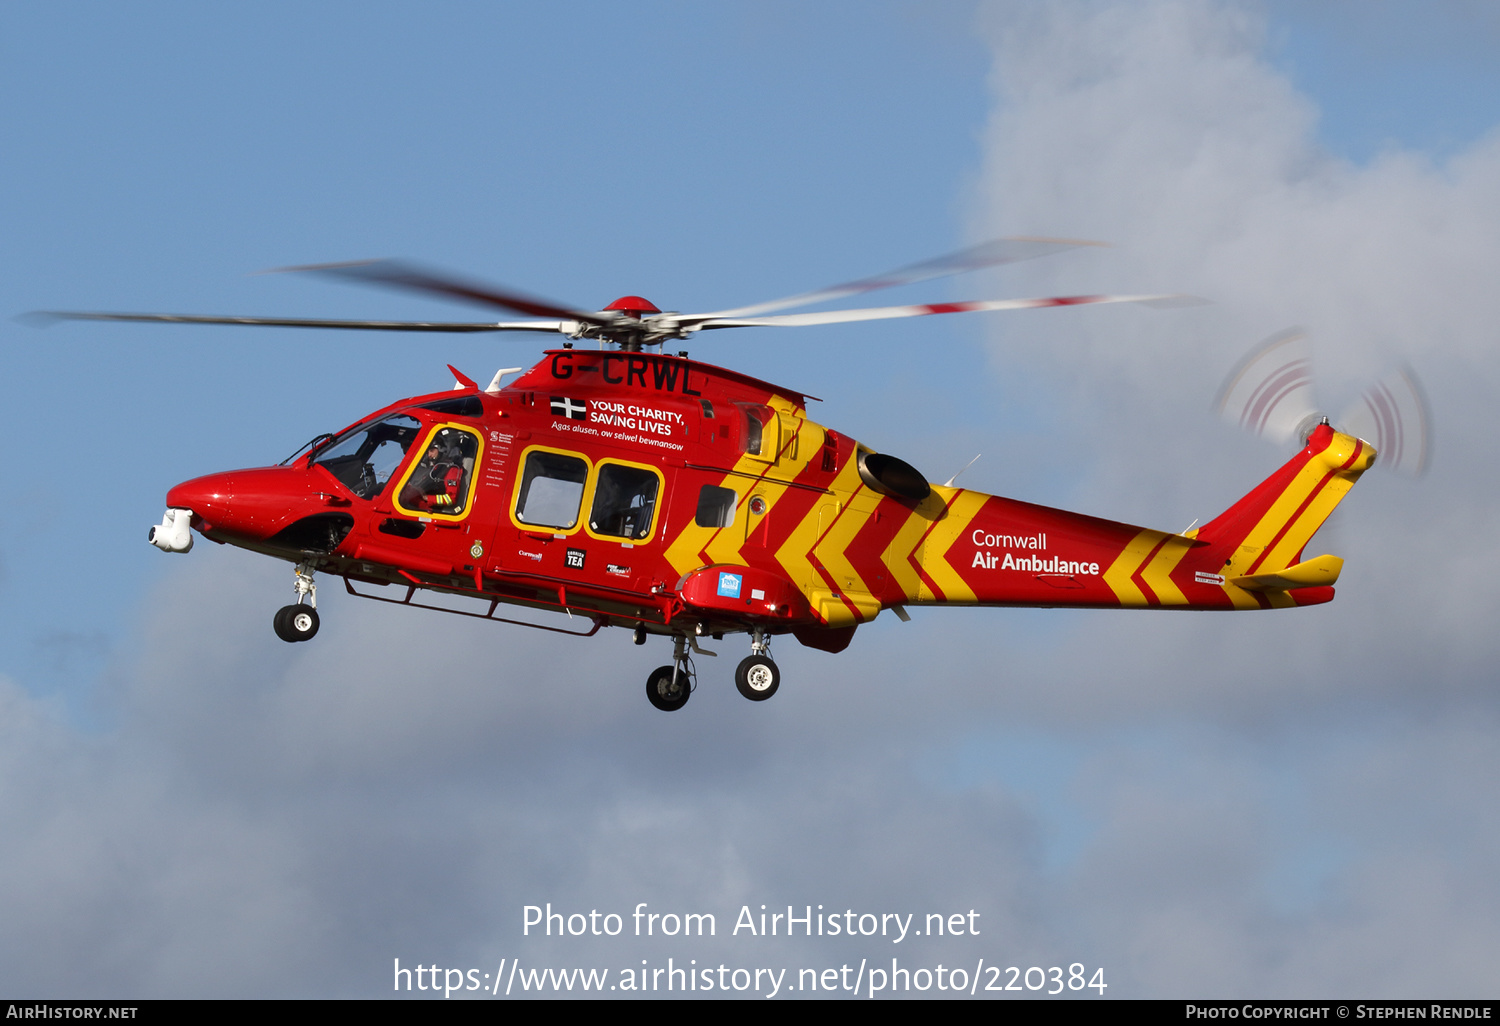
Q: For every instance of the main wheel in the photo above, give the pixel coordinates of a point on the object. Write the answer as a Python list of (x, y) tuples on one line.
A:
[(295, 623), (757, 677), (663, 693)]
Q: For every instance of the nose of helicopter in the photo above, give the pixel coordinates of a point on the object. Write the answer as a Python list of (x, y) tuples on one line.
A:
[(251, 503), (209, 497)]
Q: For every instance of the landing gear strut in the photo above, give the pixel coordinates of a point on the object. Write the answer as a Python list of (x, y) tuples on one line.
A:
[(757, 677), (669, 687), (299, 621)]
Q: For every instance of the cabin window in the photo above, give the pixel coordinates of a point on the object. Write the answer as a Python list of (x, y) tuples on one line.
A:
[(365, 458), (716, 506), (624, 500), (438, 485), (551, 489)]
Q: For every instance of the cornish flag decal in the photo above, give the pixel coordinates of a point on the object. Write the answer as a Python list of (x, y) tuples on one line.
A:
[(573, 409)]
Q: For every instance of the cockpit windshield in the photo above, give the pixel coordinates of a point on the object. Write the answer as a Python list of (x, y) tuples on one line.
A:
[(366, 457)]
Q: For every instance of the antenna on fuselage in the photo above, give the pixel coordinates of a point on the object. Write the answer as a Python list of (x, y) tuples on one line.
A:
[(949, 483), (494, 385)]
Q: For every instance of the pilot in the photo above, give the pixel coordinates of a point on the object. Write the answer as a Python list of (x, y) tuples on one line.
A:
[(436, 484)]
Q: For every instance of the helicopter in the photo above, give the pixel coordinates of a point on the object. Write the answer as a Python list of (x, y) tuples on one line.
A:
[(632, 487)]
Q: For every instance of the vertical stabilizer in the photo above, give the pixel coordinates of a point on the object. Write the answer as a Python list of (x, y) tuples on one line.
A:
[(1266, 531)]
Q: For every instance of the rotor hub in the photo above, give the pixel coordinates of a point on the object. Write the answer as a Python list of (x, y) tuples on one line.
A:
[(633, 306)]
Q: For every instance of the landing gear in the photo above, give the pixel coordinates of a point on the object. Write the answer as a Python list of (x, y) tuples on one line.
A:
[(757, 677), (295, 623), (299, 621), (669, 687)]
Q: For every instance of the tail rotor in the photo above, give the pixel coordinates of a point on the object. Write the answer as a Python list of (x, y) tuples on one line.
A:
[(1272, 394)]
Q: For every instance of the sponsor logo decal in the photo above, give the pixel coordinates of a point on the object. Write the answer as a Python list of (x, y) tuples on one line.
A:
[(618, 570), (574, 559), (729, 584)]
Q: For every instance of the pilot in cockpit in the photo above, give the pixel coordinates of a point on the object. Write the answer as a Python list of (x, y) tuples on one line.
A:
[(437, 483)]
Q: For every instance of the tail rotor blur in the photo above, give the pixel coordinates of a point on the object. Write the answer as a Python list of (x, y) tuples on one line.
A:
[(1272, 394)]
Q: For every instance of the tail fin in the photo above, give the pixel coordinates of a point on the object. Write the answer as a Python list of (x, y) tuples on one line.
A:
[(1262, 535)]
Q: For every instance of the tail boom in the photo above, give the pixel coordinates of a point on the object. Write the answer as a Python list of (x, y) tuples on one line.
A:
[(987, 550)]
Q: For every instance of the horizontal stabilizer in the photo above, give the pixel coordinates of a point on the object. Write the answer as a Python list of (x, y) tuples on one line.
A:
[(1322, 570)]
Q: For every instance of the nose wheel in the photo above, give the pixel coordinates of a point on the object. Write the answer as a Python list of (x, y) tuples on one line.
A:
[(669, 687), (299, 621)]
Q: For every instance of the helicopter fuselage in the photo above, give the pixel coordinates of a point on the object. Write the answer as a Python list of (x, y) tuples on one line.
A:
[(673, 497)]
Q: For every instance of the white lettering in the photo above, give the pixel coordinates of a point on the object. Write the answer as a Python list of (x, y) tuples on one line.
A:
[(1029, 563)]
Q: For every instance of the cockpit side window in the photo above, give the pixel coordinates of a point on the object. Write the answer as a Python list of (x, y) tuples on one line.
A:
[(364, 459), (438, 484)]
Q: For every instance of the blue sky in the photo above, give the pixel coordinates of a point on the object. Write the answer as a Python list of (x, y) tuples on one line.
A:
[(1157, 797)]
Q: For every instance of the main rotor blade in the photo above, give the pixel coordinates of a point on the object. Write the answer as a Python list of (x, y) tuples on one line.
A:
[(395, 274), (881, 313), (300, 322), (986, 254)]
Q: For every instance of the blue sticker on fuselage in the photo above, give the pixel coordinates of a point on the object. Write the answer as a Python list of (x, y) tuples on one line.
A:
[(729, 584)]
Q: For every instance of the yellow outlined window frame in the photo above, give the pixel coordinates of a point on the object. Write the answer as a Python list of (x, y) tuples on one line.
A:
[(586, 496), (411, 469), (588, 501)]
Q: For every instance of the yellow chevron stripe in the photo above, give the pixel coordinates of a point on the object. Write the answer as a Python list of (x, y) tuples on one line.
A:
[(963, 506), (835, 544), (1118, 575), (721, 545), (1158, 572), (727, 544), (794, 552), (905, 544), (1300, 533), (1279, 513), (1317, 511), (1295, 494)]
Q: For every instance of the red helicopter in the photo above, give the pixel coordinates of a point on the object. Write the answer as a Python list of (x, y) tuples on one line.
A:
[(645, 490)]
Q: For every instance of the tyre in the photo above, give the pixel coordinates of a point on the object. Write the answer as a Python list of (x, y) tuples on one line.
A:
[(757, 678), (295, 623), (663, 693)]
